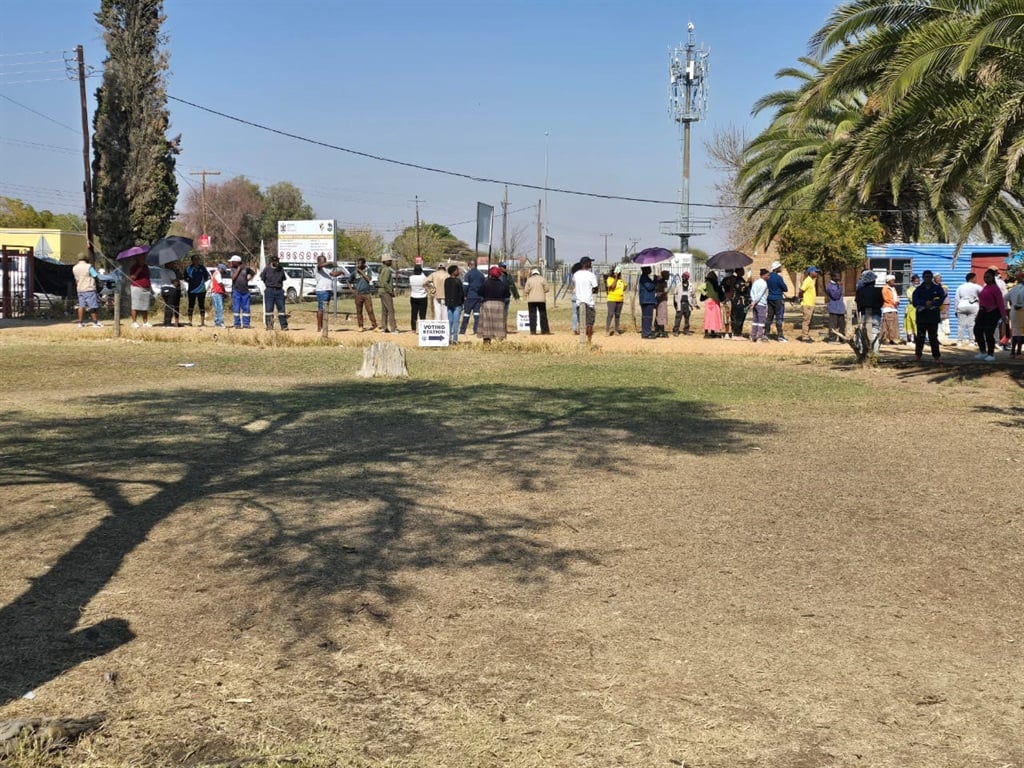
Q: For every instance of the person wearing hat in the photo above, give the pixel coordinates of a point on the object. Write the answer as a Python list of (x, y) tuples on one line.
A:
[(777, 289), (86, 278), (536, 292), (808, 296), (273, 277), (435, 288), (890, 311), (241, 304), (869, 305), (386, 291), (472, 281), (646, 292), (615, 288)]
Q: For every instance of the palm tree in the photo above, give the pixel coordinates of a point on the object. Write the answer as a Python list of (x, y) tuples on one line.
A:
[(946, 104)]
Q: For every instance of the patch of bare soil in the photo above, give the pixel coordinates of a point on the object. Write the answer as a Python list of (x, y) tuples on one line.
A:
[(783, 585)]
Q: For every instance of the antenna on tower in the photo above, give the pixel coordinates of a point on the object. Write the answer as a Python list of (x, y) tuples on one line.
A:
[(688, 68)]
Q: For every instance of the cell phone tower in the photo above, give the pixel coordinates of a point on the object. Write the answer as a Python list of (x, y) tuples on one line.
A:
[(688, 68)]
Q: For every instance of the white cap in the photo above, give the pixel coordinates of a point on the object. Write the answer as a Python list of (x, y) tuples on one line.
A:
[(775, 265), (235, 259), (534, 271), (889, 277)]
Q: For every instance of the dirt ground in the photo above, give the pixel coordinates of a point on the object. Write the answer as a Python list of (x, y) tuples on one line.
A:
[(784, 581)]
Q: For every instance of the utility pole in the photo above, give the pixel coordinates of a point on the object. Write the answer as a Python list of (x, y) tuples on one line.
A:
[(419, 256), (632, 245), (504, 226), (606, 235), (540, 233), (204, 173), (87, 186)]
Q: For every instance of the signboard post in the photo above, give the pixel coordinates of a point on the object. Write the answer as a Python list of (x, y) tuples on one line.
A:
[(433, 333)]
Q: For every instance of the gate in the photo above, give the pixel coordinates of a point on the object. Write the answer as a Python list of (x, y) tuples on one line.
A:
[(17, 276)]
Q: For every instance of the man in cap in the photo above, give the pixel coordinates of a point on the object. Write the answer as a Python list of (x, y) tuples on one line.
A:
[(196, 278), (776, 297), (241, 307), (584, 284), (536, 292), (386, 289), (435, 286), (808, 297)]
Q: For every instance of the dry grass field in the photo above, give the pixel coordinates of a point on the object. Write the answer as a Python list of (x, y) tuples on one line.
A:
[(678, 553)]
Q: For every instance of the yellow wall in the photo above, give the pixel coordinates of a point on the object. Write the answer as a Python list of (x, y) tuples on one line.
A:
[(64, 246)]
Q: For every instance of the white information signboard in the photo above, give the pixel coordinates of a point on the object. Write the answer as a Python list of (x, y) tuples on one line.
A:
[(433, 333), (302, 242), (523, 321)]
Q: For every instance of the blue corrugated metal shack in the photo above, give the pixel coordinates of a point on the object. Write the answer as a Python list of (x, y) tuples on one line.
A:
[(904, 259)]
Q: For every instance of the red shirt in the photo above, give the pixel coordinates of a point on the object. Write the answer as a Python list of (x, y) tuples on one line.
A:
[(139, 275)]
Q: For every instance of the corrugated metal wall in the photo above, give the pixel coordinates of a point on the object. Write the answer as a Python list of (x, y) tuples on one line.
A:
[(938, 257)]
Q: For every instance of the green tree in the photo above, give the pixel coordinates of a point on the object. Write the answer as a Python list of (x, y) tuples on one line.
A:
[(434, 243), (826, 239), (360, 243), (134, 189), (282, 202), (233, 214), (945, 81), (20, 215)]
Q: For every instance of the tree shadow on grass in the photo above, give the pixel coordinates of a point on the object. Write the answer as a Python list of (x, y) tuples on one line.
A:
[(954, 368), (376, 448)]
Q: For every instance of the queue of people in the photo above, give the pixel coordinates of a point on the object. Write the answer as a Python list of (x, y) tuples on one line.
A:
[(989, 312)]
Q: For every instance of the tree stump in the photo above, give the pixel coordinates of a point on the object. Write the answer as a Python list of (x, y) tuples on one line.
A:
[(384, 358)]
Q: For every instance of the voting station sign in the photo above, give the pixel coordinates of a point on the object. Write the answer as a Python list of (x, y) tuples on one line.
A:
[(433, 333), (303, 242)]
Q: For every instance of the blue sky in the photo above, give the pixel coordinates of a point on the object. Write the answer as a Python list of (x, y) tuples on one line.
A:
[(455, 85)]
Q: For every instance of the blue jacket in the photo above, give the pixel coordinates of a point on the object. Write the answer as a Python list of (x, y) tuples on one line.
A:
[(926, 292), (473, 280), (645, 290), (776, 287)]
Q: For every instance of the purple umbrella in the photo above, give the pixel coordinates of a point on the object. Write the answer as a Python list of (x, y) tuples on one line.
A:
[(132, 252), (652, 256)]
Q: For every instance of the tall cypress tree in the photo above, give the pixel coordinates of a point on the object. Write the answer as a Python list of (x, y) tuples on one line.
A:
[(134, 187)]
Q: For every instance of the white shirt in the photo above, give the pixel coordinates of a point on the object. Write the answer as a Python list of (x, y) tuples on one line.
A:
[(324, 281), (584, 283), (967, 297), (417, 286), (759, 293)]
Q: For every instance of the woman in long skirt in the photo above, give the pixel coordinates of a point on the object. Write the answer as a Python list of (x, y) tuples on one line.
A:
[(712, 306), (493, 293)]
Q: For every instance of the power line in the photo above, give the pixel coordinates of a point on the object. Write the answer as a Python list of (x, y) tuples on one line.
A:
[(47, 147), (417, 166), (45, 117)]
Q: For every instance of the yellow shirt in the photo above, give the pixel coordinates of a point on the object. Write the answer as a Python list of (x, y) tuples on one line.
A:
[(616, 287), (809, 294)]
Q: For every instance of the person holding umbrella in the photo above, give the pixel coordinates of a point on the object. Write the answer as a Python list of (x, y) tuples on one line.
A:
[(141, 290)]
